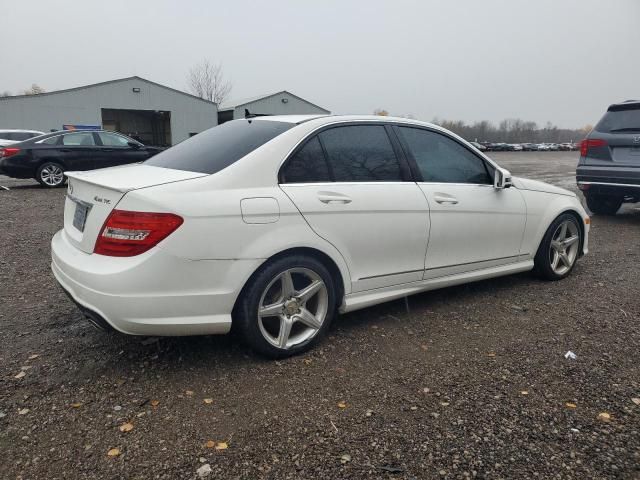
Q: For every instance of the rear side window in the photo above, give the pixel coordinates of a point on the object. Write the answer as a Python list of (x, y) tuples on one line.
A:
[(51, 140), (79, 139), (307, 165), (217, 148), (441, 159), (361, 153), (620, 120)]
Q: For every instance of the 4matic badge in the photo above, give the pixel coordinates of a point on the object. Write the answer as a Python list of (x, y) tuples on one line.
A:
[(98, 199)]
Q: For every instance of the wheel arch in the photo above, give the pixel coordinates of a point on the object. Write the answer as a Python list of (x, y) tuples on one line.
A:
[(580, 221), (337, 274), (567, 210), (42, 161)]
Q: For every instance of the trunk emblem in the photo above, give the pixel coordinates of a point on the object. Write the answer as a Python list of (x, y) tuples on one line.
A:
[(636, 139)]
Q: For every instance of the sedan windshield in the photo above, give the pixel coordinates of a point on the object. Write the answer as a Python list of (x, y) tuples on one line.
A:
[(217, 148)]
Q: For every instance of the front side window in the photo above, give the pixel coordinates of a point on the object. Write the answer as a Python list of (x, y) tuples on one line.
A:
[(443, 160), (113, 140), (307, 165), (361, 153), (217, 148), (83, 139)]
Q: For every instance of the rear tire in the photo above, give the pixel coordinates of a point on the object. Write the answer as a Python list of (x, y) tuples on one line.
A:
[(560, 248), (603, 204), (51, 175), (287, 306)]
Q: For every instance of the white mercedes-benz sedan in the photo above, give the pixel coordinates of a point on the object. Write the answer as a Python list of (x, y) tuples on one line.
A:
[(273, 225)]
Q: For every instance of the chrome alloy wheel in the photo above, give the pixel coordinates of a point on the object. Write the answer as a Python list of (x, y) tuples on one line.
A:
[(565, 243), (52, 175), (293, 308)]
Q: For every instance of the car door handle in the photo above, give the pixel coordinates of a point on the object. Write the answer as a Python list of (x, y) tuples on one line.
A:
[(65, 150), (440, 198), (331, 197)]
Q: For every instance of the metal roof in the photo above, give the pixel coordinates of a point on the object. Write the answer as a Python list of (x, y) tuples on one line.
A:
[(232, 104), (135, 77)]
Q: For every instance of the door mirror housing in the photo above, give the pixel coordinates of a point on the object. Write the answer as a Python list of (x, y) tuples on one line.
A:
[(501, 178), (134, 145)]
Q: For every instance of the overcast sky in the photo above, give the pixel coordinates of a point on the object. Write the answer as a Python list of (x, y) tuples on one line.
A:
[(559, 60)]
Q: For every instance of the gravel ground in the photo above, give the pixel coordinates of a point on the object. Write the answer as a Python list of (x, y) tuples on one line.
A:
[(470, 382)]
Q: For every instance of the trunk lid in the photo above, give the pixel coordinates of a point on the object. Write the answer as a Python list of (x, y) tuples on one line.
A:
[(92, 195)]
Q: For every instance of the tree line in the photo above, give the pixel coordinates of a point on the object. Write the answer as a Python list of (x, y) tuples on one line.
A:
[(514, 130)]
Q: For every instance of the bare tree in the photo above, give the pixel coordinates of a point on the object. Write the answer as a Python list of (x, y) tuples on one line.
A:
[(5, 93), (34, 90), (206, 80)]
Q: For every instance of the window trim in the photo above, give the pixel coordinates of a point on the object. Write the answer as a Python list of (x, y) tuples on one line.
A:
[(405, 168), (414, 163)]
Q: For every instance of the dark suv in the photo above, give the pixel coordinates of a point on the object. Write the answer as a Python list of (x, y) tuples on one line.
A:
[(608, 172)]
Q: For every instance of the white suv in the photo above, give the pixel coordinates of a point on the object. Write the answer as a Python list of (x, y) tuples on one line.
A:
[(277, 223)]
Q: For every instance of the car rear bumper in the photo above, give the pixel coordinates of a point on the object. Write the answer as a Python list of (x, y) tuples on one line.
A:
[(607, 180), (151, 294)]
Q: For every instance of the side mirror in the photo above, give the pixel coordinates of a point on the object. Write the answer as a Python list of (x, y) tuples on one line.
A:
[(501, 178), (134, 145)]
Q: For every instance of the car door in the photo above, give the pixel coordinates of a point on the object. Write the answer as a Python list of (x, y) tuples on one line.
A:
[(354, 189), (473, 224), (115, 149), (78, 150)]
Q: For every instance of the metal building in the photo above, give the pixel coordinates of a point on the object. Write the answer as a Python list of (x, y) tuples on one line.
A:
[(280, 103), (150, 112)]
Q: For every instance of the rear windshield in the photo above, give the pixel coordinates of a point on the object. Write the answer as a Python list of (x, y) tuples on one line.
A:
[(217, 148), (627, 120)]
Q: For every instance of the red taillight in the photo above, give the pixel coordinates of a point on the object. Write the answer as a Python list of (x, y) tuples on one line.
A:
[(125, 234), (588, 143), (8, 152)]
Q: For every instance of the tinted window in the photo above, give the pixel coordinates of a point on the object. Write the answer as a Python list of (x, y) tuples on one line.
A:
[(51, 140), (219, 147), (625, 120), (83, 139), (441, 159), (307, 165), (113, 140), (361, 153)]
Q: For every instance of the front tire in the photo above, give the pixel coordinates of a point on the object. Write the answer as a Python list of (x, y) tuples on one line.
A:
[(51, 175), (287, 307), (603, 204), (559, 249)]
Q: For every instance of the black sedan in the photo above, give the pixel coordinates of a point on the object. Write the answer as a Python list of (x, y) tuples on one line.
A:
[(47, 157)]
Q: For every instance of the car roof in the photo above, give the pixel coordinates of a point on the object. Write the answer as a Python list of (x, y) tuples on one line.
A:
[(626, 105), (328, 119)]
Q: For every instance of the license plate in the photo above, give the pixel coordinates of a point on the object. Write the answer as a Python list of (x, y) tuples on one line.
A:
[(80, 216), (635, 150)]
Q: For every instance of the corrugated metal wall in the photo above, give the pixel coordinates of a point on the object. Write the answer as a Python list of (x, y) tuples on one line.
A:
[(275, 106), (83, 106)]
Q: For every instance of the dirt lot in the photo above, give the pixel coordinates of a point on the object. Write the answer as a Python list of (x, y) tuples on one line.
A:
[(472, 382)]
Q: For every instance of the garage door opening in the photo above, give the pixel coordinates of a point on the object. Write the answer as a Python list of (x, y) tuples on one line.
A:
[(151, 127)]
